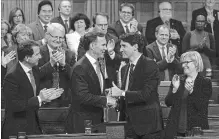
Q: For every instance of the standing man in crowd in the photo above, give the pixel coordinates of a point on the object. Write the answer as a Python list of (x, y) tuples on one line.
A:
[(164, 53), (22, 93), (39, 27), (212, 26), (62, 74), (64, 15), (112, 56), (88, 85), (127, 23), (140, 80), (177, 30)]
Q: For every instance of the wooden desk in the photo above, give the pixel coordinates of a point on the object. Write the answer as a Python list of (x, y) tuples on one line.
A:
[(70, 136)]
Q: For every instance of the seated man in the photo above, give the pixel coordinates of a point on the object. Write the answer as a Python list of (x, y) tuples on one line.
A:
[(164, 53)]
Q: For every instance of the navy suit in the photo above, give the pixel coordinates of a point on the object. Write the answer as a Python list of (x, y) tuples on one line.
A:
[(87, 100), (59, 20), (143, 111), (21, 104)]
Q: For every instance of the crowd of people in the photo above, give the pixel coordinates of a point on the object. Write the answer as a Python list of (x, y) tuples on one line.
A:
[(64, 61)]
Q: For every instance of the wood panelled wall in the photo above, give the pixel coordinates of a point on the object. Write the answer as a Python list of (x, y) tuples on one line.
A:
[(145, 9)]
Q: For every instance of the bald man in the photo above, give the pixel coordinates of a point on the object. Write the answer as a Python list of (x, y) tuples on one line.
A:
[(54, 48), (165, 17)]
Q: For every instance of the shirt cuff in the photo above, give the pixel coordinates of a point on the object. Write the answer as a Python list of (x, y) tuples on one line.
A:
[(112, 55), (123, 93), (40, 101)]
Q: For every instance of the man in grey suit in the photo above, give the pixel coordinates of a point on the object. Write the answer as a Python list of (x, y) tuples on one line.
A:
[(39, 27), (64, 15), (164, 54)]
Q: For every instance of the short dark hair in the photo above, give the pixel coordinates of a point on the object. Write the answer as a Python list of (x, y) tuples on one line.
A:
[(89, 38), (80, 16), (134, 38), (26, 49), (128, 5), (101, 14), (42, 3), (12, 14)]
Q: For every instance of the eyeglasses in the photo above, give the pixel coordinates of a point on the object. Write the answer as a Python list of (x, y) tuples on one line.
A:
[(166, 9), (17, 16), (102, 25), (128, 13), (57, 37), (186, 62)]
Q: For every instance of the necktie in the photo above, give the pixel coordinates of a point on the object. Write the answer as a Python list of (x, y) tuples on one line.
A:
[(45, 28), (55, 78), (99, 75), (166, 72), (127, 29), (102, 66), (130, 75), (66, 26), (32, 81)]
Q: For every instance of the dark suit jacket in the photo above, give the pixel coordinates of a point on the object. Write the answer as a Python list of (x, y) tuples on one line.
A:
[(37, 29), (120, 30), (154, 53), (21, 104), (174, 24), (87, 100), (59, 20), (112, 65), (64, 75), (203, 11), (142, 102), (197, 105)]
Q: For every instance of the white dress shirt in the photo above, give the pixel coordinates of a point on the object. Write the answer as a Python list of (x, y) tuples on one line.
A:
[(124, 26)]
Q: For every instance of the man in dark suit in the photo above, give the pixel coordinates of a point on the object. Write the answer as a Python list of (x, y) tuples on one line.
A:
[(112, 55), (127, 23), (55, 38), (177, 29), (212, 16), (88, 85), (140, 79), (22, 94), (39, 27), (164, 54), (64, 17)]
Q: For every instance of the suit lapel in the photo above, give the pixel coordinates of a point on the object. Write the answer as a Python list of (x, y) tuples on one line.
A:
[(91, 71), (40, 29), (157, 51), (23, 77), (45, 53), (124, 74)]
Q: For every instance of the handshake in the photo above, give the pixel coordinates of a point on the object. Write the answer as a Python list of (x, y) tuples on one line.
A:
[(47, 95), (112, 96)]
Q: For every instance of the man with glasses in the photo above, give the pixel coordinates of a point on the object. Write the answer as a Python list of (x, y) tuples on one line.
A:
[(164, 53), (127, 23), (61, 77), (177, 30), (64, 17), (39, 27)]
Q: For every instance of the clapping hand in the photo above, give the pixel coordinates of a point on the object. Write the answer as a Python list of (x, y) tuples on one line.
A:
[(189, 84), (46, 95), (58, 57), (8, 58), (110, 46), (174, 34), (176, 82), (134, 25), (171, 53), (116, 92)]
